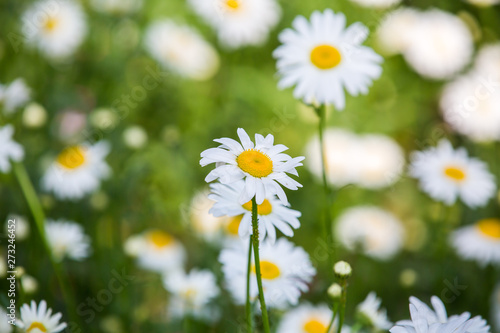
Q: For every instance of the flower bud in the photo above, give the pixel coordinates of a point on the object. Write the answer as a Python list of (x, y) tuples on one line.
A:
[(334, 291), (342, 269)]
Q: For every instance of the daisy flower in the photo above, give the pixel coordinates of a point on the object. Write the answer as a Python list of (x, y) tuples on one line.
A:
[(182, 50), (286, 270), (376, 232), (156, 251), (5, 327), (307, 318), (262, 165), (479, 242), (56, 28), (192, 294), (14, 95), (377, 3), (371, 313), (271, 212), (239, 22), (77, 171), (116, 6), (322, 57), (38, 319), (9, 149), (67, 239), (446, 174)]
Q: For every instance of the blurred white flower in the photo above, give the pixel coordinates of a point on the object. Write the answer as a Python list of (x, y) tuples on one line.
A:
[(56, 28), (286, 271), (484, 3), (487, 63), (446, 174), (135, 137), (22, 226), (34, 115), (104, 119), (182, 50), (479, 242), (322, 57), (67, 239), (372, 314), (376, 232), (307, 318), (203, 223), (394, 33), (14, 95), (116, 6), (77, 171), (5, 327), (9, 149), (29, 284), (377, 3), (37, 319), (239, 22)]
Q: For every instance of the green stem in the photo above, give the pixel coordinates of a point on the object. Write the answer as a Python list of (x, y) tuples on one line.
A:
[(255, 238), (334, 314), (343, 301), (249, 305)]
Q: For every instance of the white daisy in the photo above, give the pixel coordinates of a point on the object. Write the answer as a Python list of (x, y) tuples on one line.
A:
[(322, 58), (271, 212), (117, 6), (77, 171), (263, 166), (181, 49), (377, 3), (487, 63), (192, 294), (307, 318), (22, 226), (9, 149), (56, 28), (479, 242), (157, 251), (286, 270), (5, 327), (395, 31), (372, 314), (239, 22), (38, 319), (14, 95), (67, 239), (446, 174), (484, 3), (376, 232)]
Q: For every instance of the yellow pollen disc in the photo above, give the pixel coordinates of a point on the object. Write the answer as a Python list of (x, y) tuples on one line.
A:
[(36, 325), (268, 270), (325, 56), (189, 293), (490, 227), (234, 225), (51, 24), (71, 157), (455, 173), (233, 4), (265, 208), (255, 163), (315, 326), (159, 238)]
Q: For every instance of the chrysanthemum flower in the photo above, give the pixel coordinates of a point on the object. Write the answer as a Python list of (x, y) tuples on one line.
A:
[(307, 318), (14, 95), (271, 212), (67, 239), (372, 314), (446, 174), (322, 58), (77, 171), (39, 319), (239, 22), (479, 242), (262, 165), (377, 3), (9, 149), (286, 270)]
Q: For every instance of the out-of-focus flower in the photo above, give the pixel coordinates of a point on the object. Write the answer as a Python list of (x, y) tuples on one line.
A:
[(484, 3), (71, 125), (203, 223), (77, 171), (446, 174), (56, 28), (239, 22), (394, 33), (192, 294), (181, 49), (9, 149), (5, 327), (479, 242), (34, 115), (35, 319), (334, 291), (67, 239), (487, 63), (157, 251), (370, 312), (262, 165), (29, 284), (14, 95), (376, 232), (377, 3), (135, 137), (22, 226), (285, 269), (104, 119), (116, 6), (307, 318), (322, 57)]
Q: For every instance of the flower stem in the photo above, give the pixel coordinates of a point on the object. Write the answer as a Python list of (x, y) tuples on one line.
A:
[(343, 301), (249, 305), (255, 239), (334, 314)]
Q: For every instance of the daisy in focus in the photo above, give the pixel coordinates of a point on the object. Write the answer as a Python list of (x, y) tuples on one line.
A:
[(446, 174), (9, 149), (14, 95), (239, 22), (77, 171), (371, 314), (322, 57), (286, 271), (38, 319), (262, 165), (57, 29), (479, 242), (271, 212), (377, 3), (67, 239), (307, 318), (182, 50), (156, 251)]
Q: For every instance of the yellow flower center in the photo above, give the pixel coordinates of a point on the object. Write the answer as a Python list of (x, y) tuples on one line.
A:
[(234, 225), (36, 325), (455, 173), (255, 163), (159, 238), (51, 24), (325, 56), (71, 157), (190, 293), (490, 227), (268, 270), (315, 326), (265, 208), (233, 4)]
